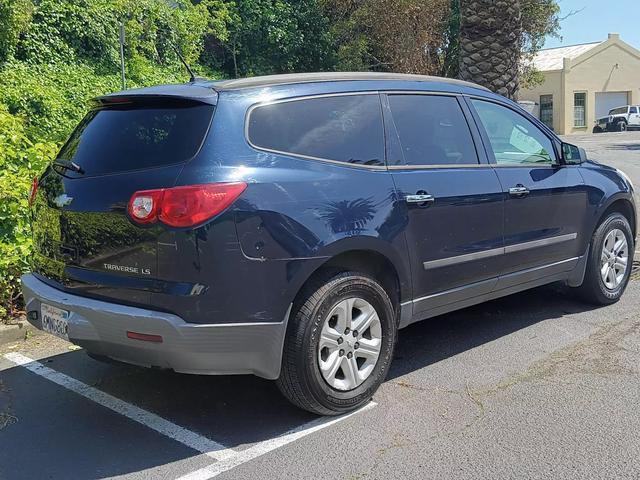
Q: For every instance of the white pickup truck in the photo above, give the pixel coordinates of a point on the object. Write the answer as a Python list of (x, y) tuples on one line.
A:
[(619, 119)]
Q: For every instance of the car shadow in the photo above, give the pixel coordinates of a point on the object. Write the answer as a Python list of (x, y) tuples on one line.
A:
[(235, 411), (424, 343)]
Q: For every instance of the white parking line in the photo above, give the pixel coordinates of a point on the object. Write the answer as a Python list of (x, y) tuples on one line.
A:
[(267, 446), (226, 458), (186, 437)]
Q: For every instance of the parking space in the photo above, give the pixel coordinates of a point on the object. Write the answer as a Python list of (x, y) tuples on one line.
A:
[(618, 149), (532, 383)]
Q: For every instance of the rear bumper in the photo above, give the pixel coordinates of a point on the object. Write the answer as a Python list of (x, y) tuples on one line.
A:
[(101, 328)]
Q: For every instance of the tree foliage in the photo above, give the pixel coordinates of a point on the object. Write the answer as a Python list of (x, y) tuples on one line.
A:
[(404, 36), (270, 36)]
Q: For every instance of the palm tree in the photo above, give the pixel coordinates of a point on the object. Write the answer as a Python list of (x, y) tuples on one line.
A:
[(490, 44)]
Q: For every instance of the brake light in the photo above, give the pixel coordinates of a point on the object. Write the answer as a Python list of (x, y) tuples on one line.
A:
[(183, 206), (33, 190)]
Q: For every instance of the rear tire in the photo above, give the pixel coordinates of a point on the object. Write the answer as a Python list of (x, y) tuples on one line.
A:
[(327, 367), (609, 263)]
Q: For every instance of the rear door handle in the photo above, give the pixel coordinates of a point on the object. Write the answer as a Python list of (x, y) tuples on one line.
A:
[(420, 198), (518, 191)]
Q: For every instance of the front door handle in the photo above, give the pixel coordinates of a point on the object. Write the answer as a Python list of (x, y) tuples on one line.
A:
[(518, 191), (420, 198)]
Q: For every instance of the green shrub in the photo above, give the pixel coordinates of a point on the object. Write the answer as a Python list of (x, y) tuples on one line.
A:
[(20, 160), (54, 57)]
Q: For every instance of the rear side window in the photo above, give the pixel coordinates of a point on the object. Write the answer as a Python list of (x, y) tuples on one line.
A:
[(344, 128), (432, 130), (118, 139)]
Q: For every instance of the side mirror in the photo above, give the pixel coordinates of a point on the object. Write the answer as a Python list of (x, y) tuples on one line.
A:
[(573, 155)]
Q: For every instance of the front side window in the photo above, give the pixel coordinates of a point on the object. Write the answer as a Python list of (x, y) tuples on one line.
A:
[(432, 130), (344, 128), (633, 110), (618, 111), (579, 109), (513, 139), (546, 110)]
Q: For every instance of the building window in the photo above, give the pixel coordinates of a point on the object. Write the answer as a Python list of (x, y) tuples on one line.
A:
[(580, 109), (546, 110)]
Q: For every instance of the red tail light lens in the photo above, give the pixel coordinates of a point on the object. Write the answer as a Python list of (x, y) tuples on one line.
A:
[(33, 190), (183, 206)]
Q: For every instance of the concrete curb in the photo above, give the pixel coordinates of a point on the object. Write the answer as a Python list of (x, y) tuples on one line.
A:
[(14, 332)]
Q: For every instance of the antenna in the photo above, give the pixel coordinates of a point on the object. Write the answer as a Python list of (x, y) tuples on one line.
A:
[(124, 82), (192, 76)]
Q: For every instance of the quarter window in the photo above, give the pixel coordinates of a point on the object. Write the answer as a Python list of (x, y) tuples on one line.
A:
[(432, 130), (345, 128), (579, 109), (513, 139)]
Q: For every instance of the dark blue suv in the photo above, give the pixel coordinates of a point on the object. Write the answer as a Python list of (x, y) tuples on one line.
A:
[(288, 226)]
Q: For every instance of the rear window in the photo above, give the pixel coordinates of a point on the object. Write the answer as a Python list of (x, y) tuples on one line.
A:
[(344, 128), (118, 139)]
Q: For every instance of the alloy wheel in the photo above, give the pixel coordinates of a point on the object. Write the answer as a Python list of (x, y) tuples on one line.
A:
[(350, 343), (614, 259)]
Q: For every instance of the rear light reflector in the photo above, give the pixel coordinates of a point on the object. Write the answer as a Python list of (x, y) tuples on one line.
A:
[(185, 206), (33, 190), (145, 337)]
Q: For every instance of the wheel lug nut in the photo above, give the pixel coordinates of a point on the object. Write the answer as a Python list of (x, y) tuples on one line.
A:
[(356, 345), (355, 333), (349, 355), (341, 352), (340, 340), (346, 331)]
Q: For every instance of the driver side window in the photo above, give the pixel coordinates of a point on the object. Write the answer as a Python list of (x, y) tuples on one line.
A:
[(514, 139)]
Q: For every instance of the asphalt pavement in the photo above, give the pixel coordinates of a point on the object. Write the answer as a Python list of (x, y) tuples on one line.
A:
[(535, 385)]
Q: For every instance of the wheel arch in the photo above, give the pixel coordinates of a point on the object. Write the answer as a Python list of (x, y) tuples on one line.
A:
[(383, 264), (623, 205)]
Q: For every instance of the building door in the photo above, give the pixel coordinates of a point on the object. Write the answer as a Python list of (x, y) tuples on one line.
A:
[(605, 101)]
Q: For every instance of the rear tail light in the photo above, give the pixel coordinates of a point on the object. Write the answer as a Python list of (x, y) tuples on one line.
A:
[(33, 190), (183, 206)]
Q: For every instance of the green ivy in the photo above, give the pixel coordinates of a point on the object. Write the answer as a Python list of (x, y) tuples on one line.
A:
[(55, 56), (20, 160)]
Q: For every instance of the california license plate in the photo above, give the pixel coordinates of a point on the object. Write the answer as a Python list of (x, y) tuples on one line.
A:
[(55, 320)]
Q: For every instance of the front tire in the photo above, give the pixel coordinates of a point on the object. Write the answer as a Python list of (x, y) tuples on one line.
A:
[(622, 126), (339, 344), (609, 263)]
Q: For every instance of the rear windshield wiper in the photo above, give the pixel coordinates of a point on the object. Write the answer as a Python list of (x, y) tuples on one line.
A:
[(68, 165)]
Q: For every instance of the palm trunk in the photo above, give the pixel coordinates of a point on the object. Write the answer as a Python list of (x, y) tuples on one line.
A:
[(490, 44)]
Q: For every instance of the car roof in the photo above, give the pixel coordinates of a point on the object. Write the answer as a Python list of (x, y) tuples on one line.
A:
[(206, 91), (297, 78)]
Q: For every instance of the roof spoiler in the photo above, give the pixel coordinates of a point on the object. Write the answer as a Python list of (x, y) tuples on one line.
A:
[(190, 92)]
